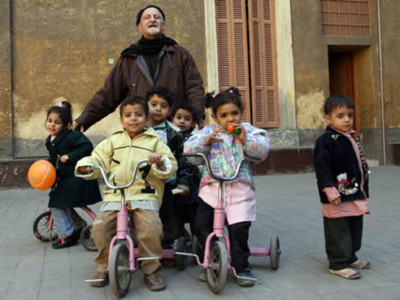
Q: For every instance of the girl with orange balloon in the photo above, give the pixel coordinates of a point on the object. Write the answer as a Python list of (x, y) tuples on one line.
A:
[(66, 147)]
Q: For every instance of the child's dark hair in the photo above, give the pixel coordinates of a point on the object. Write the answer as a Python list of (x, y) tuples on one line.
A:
[(336, 101), (185, 106), (230, 95), (64, 111), (134, 100), (161, 92)]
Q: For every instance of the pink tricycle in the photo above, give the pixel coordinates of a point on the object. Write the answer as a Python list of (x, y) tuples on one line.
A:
[(123, 254), (45, 231), (217, 255)]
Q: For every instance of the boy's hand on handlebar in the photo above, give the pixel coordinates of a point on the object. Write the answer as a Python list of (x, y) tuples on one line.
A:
[(213, 138), (84, 170), (156, 158)]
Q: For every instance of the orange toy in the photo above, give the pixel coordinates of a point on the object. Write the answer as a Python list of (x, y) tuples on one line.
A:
[(41, 175), (232, 129)]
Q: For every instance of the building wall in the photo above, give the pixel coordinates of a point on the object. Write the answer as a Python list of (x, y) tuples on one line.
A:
[(310, 63), (5, 81), (390, 11), (64, 50), (310, 55)]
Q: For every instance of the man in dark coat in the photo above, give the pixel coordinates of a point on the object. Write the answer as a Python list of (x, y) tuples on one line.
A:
[(155, 60)]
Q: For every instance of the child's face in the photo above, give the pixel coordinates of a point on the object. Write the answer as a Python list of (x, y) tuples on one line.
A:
[(184, 120), (227, 114), (159, 110), (341, 119), (54, 125), (133, 119)]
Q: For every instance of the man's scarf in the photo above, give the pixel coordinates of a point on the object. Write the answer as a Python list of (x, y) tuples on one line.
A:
[(149, 47)]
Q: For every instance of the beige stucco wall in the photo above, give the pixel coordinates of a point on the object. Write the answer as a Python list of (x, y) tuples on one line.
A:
[(377, 100), (65, 49), (5, 81), (286, 85), (310, 63), (390, 10)]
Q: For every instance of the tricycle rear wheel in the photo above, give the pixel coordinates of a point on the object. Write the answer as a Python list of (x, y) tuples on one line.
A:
[(275, 253)]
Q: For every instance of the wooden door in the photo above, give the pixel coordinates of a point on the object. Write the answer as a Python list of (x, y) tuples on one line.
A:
[(341, 78)]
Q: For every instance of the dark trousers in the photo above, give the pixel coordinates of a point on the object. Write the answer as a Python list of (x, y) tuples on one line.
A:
[(169, 219), (342, 240), (238, 236), (186, 213)]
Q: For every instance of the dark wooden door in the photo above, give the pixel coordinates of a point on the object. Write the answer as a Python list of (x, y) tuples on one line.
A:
[(341, 78)]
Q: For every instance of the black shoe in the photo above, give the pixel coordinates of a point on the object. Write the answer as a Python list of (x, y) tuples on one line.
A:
[(65, 243), (77, 233)]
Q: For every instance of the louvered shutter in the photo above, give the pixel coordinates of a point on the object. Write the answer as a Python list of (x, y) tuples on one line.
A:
[(254, 72), (233, 50), (263, 64)]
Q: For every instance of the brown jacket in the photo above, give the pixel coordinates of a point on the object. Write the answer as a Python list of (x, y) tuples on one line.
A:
[(177, 71)]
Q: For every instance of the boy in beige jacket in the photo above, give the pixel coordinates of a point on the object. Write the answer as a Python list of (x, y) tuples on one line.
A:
[(118, 155)]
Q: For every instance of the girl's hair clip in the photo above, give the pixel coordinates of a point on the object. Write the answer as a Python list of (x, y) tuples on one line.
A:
[(230, 91), (60, 104), (213, 96)]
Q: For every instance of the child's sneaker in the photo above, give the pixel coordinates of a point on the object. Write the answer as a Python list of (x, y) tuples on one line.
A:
[(202, 276), (154, 282), (245, 278)]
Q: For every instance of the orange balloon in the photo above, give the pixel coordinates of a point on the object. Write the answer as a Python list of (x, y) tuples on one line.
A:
[(42, 175), (230, 128)]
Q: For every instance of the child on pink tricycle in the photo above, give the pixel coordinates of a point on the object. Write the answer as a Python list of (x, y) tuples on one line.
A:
[(118, 155), (224, 144)]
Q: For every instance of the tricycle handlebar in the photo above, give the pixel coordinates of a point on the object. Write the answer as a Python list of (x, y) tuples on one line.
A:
[(208, 166), (120, 187)]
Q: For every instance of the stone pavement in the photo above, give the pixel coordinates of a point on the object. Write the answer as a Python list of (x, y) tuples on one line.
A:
[(287, 206)]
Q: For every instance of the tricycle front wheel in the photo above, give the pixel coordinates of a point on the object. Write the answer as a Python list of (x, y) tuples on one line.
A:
[(218, 270), (43, 227), (120, 275)]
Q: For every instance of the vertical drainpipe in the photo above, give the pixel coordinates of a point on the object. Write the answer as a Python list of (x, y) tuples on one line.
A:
[(12, 79), (381, 84)]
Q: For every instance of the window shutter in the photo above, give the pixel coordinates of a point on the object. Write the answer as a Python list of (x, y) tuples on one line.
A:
[(262, 43), (233, 61), (247, 57)]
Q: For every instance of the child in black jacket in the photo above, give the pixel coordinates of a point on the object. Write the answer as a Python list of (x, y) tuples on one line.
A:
[(185, 117), (342, 177), (160, 107)]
